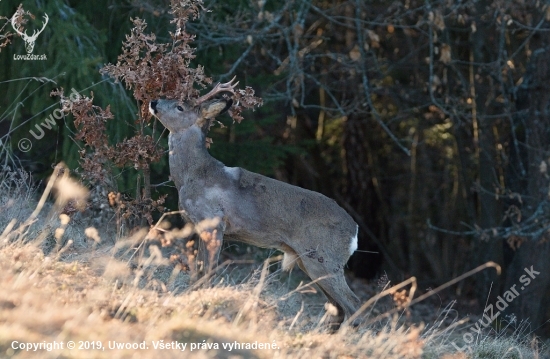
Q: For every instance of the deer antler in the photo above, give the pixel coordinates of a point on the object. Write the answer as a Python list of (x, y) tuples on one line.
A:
[(226, 87)]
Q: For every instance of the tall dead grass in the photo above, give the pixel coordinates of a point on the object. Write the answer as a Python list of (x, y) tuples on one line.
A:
[(75, 284)]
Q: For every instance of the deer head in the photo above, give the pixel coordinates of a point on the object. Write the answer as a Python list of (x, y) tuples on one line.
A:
[(177, 116), (29, 40)]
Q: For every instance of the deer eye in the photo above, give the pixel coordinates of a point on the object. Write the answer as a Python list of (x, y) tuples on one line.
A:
[(180, 108)]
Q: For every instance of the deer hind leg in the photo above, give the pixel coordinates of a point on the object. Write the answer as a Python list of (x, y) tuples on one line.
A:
[(330, 277)]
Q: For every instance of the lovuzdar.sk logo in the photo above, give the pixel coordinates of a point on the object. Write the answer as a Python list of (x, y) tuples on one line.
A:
[(29, 40)]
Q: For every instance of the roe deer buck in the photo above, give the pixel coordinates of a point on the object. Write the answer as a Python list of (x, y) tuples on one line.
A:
[(311, 229)]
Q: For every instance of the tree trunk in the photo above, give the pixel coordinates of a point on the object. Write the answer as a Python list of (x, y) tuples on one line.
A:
[(488, 283), (533, 100)]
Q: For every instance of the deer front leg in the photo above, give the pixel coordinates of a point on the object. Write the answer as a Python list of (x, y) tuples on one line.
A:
[(210, 242)]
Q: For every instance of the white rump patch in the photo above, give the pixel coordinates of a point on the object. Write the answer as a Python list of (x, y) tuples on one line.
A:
[(232, 171), (289, 259), (353, 244)]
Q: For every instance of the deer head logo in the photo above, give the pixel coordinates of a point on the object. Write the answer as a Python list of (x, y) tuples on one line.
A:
[(29, 40)]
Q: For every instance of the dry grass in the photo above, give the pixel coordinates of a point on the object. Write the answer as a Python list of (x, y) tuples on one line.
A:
[(78, 289), (47, 299)]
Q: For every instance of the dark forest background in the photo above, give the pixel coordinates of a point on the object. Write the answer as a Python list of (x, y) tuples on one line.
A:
[(428, 121)]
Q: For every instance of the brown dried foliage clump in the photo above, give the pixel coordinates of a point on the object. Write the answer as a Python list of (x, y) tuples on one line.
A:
[(18, 19), (153, 70), (131, 208), (138, 151), (4, 35), (91, 124)]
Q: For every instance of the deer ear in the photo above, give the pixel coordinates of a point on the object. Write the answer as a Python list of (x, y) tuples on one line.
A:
[(214, 108)]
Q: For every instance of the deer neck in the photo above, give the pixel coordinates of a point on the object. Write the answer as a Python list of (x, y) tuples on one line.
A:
[(189, 159)]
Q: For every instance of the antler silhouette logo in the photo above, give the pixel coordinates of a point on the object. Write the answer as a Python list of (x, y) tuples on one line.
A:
[(29, 40)]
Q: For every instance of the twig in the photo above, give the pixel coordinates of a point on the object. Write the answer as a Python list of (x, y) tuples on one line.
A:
[(422, 297)]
